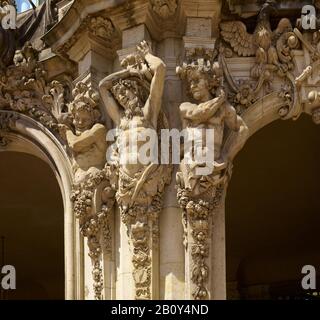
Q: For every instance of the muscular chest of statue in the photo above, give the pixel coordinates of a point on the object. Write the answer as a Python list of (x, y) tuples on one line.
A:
[(133, 129), (216, 123)]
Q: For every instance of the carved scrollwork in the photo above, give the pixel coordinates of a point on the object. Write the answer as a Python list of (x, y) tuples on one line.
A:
[(24, 88)]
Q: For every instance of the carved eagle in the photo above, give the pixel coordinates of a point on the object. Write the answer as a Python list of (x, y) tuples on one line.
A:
[(246, 44)]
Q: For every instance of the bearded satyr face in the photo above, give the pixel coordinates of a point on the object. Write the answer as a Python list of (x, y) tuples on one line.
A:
[(126, 97), (199, 87)]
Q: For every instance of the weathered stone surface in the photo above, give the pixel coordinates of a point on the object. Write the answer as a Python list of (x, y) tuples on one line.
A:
[(229, 79)]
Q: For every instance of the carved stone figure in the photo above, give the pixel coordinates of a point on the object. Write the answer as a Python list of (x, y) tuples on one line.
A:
[(212, 112), (272, 49), (92, 197), (199, 194), (88, 140), (133, 99)]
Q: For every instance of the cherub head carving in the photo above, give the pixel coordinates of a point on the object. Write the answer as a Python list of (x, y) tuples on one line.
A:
[(84, 108), (203, 78)]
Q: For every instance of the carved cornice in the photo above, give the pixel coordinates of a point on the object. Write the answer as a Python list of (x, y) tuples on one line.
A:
[(73, 18), (140, 187), (94, 31)]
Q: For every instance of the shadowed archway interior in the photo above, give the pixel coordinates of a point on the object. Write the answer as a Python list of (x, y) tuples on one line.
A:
[(273, 211), (31, 215)]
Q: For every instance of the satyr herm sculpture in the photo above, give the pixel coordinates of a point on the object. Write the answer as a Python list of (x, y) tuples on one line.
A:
[(133, 99), (200, 194)]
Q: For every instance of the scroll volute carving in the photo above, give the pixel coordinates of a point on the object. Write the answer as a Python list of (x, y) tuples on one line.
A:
[(198, 193)]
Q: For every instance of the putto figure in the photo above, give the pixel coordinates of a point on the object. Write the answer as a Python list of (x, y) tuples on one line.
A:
[(133, 99), (88, 139)]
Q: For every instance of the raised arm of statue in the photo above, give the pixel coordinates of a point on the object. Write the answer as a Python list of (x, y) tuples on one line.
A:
[(158, 68), (110, 103), (237, 124)]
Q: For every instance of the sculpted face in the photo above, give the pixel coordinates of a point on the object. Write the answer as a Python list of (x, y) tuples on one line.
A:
[(199, 87), (126, 97), (316, 116), (83, 120)]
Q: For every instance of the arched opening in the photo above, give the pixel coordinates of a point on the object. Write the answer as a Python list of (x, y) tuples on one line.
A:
[(32, 224), (272, 212)]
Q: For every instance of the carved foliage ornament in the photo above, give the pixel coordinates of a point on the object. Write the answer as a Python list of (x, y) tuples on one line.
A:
[(24, 88), (164, 8), (95, 219)]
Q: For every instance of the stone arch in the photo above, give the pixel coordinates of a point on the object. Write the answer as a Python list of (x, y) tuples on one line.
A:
[(263, 112), (259, 116), (28, 136)]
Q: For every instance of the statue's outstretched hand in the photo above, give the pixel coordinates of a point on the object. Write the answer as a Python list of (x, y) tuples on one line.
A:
[(143, 48)]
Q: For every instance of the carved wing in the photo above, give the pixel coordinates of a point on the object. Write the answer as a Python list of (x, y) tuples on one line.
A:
[(283, 26), (242, 42)]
